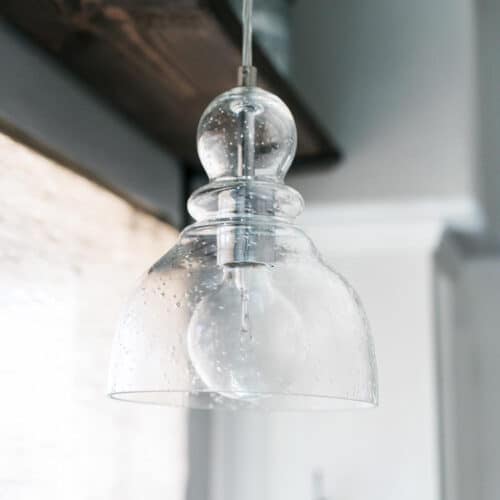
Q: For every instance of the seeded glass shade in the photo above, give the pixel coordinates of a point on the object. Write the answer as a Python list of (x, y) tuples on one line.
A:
[(242, 312)]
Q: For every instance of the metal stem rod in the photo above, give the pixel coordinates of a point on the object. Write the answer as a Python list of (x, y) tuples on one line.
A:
[(247, 74)]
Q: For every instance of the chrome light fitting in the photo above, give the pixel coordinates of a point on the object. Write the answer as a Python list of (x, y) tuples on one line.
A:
[(242, 312)]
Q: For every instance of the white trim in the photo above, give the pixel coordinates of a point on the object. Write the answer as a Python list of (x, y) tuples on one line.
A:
[(460, 213), (367, 227)]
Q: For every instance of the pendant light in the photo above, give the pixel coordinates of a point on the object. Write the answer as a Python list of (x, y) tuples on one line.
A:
[(242, 312)]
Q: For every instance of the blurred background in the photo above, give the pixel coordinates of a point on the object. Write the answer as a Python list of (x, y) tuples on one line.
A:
[(397, 104)]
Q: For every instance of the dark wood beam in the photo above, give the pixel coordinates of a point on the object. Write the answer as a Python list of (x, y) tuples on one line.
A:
[(160, 62)]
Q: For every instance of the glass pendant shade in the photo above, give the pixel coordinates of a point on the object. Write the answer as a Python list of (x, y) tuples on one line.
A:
[(242, 312)]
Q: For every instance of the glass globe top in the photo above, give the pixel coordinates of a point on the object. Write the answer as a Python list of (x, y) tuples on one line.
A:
[(242, 313), (247, 122)]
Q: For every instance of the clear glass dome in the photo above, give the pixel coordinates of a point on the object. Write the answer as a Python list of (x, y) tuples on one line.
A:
[(242, 312)]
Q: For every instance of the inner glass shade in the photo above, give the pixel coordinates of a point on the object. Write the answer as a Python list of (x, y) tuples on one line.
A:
[(242, 313)]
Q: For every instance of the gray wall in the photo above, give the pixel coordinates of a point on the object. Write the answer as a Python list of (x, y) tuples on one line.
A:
[(394, 82), (488, 54)]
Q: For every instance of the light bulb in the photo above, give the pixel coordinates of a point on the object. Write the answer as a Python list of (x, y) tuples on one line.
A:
[(245, 340)]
